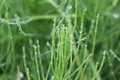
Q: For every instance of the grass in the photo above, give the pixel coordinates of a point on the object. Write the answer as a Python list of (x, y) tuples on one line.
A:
[(65, 40)]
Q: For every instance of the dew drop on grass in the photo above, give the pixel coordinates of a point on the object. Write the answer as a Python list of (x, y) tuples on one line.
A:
[(116, 16), (21, 75), (52, 77), (80, 32), (48, 44), (93, 20), (54, 19), (85, 9), (69, 7), (97, 63), (30, 41)]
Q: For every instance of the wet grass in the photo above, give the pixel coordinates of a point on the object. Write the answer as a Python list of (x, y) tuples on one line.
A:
[(59, 40)]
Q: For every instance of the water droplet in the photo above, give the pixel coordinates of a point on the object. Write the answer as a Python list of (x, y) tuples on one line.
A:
[(93, 20), (52, 77), (21, 75), (116, 16), (48, 44), (69, 7), (97, 63)]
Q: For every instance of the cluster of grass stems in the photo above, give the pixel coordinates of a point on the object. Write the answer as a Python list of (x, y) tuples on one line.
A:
[(69, 57)]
